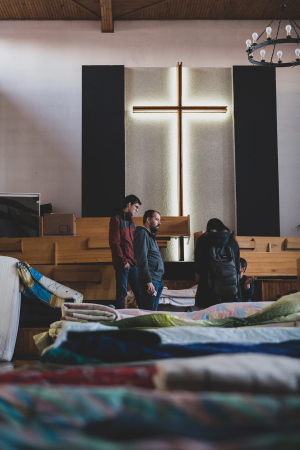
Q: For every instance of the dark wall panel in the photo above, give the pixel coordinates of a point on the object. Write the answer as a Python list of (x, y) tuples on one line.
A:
[(103, 140), (256, 155)]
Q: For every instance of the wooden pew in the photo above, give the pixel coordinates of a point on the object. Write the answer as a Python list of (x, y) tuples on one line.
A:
[(90, 245)]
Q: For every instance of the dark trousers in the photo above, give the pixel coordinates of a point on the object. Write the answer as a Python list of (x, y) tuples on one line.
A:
[(148, 301), (122, 278)]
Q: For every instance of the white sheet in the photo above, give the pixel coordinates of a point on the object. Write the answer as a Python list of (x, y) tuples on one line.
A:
[(10, 302), (193, 335)]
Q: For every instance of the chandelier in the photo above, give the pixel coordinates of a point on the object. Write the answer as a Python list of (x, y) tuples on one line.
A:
[(279, 42)]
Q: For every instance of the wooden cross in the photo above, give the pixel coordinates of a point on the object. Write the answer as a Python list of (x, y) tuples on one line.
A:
[(180, 109)]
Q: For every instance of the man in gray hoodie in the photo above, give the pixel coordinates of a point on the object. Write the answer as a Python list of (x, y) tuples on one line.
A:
[(149, 261)]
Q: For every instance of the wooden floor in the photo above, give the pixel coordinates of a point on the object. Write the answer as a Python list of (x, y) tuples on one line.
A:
[(17, 364)]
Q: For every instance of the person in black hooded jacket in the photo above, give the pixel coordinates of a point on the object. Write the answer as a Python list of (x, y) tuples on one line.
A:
[(217, 235)]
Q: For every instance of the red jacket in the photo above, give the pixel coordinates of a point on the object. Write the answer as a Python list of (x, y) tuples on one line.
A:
[(121, 229)]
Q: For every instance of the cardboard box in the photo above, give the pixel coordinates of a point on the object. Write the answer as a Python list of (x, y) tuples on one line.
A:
[(59, 225)]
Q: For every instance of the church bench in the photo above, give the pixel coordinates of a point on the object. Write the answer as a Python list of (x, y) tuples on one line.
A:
[(261, 244), (171, 226), (90, 245), (268, 256), (83, 262)]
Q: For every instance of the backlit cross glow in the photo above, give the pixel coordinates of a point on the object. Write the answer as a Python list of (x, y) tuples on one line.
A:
[(180, 109)]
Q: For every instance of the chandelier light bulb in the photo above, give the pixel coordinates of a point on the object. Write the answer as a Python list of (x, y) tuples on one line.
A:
[(269, 31), (260, 41), (255, 36), (288, 31)]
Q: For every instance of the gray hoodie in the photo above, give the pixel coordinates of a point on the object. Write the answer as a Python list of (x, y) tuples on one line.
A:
[(146, 252)]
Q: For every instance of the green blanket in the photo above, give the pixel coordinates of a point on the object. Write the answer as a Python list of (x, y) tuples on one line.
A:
[(286, 309)]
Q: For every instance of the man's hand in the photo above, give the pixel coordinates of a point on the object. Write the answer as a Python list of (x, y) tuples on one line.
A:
[(151, 288), (248, 282), (127, 266)]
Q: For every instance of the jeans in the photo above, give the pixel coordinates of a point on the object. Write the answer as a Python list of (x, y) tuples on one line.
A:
[(149, 301), (124, 276)]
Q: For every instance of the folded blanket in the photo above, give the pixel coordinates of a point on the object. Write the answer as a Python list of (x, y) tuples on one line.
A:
[(134, 345), (88, 312), (140, 376), (238, 373), (178, 297), (191, 335), (247, 336), (88, 343), (35, 285)]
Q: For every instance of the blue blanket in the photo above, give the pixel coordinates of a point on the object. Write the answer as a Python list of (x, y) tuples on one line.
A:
[(107, 347)]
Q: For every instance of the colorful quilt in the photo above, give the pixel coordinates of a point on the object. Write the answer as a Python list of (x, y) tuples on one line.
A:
[(286, 309), (90, 418), (35, 285), (219, 311), (138, 376)]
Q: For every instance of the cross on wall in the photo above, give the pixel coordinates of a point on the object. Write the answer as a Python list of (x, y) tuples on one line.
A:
[(180, 109)]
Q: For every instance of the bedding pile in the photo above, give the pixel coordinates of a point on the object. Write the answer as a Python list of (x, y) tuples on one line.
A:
[(86, 345), (90, 418), (226, 378), (10, 301)]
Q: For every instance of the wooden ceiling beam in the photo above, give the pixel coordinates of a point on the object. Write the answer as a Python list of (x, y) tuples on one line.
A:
[(84, 7), (143, 8), (107, 21)]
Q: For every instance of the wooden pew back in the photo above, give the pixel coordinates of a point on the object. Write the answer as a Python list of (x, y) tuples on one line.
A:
[(268, 256)]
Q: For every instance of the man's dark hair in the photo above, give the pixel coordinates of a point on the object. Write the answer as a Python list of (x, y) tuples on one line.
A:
[(150, 214), (243, 262), (131, 199)]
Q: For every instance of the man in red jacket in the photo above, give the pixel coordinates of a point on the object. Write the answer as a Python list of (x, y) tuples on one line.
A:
[(121, 230)]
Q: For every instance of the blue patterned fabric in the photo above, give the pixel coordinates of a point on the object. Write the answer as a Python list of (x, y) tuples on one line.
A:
[(35, 285), (108, 347)]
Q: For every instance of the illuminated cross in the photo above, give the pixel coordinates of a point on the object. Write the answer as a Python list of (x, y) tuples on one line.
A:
[(180, 109)]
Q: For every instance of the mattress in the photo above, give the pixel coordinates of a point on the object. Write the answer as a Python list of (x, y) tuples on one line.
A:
[(10, 301)]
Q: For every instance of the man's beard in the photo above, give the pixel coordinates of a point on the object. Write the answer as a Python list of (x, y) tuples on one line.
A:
[(153, 229)]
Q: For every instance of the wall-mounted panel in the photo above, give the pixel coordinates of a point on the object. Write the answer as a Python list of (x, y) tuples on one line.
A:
[(255, 120), (103, 140)]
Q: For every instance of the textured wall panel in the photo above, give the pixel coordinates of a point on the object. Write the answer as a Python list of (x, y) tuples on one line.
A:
[(208, 152)]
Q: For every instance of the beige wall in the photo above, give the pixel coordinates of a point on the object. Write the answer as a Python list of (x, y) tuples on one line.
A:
[(40, 96)]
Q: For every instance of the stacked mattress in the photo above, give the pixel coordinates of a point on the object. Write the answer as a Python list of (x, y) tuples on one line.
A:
[(10, 301)]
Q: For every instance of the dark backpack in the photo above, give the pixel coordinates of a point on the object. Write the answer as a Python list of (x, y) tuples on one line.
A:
[(223, 277)]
